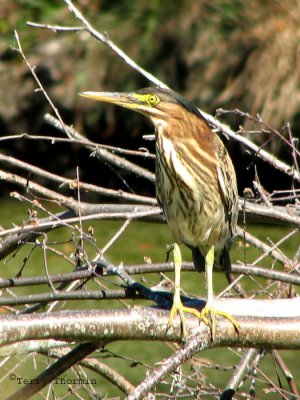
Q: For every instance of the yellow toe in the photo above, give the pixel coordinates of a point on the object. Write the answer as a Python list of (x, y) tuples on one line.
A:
[(211, 321)]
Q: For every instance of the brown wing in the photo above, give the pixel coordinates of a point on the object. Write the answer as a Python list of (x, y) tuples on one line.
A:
[(227, 184)]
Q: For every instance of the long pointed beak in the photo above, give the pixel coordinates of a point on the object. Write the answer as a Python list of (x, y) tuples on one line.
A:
[(133, 101), (120, 99)]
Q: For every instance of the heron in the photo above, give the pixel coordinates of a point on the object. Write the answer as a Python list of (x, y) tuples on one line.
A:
[(196, 187)]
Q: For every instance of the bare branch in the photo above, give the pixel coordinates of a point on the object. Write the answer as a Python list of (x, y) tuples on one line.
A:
[(259, 152), (287, 373), (85, 273), (107, 211), (32, 346), (105, 40), (195, 344), (71, 183), (56, 28), (267, 250), (56, 369), (102, 369), (101, 153), (16, 237), (144, 153), (32, 70), (262, 327), (282, 215), (70, 295), (239, 374)]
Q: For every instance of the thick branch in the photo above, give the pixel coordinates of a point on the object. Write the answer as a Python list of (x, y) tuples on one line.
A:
[(260, 326)]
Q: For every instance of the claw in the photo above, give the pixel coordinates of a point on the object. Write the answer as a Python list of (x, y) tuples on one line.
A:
[(180, 309), (208, 310), (208, 313)]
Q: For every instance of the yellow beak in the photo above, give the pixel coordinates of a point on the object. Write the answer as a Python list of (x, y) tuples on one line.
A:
[(121, 99)]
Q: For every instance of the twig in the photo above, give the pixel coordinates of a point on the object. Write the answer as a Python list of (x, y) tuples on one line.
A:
[(267, 128), (285, 195), (70, 132), (109, 374), (102, 38), (277, 389), (134, 212), (263, 154), (116, 236), (275, 247), (287, 373), (85, 273), (144, 153), (95, 365), (32, 70), (240, 371), (58, 295), (266, 249), (101, 153), (72, 184), (167, 366), (35, 187), (289, 214), (46, 264), (56, 28)]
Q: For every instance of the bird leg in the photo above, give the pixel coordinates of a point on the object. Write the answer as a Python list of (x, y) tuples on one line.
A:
[(209, 308), (177, 306), (208, 313)]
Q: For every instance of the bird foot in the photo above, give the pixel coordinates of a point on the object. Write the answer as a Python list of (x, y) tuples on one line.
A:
[(211, 321), (180, 309), (207, 315)]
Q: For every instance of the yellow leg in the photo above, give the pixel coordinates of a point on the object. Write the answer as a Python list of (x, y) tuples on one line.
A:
[(177, 306), (208, 313), (209, 308)]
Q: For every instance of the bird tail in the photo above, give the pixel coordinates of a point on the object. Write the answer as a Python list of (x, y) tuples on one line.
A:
[(198, 260), (222, 260)]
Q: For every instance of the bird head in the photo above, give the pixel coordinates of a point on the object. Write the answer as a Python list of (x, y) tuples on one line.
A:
[(158, 104)]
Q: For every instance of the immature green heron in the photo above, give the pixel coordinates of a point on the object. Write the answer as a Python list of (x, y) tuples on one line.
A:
[(195, 186)]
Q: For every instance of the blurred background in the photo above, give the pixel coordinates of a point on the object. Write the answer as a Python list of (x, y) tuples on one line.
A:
[(222, 53)]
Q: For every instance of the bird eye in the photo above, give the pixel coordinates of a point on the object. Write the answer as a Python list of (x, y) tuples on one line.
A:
[(152, 100)]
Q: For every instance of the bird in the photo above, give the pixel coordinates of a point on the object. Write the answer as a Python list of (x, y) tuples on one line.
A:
[(196, 187)]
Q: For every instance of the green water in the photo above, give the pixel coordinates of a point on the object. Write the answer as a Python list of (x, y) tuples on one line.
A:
[(140, 240)]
